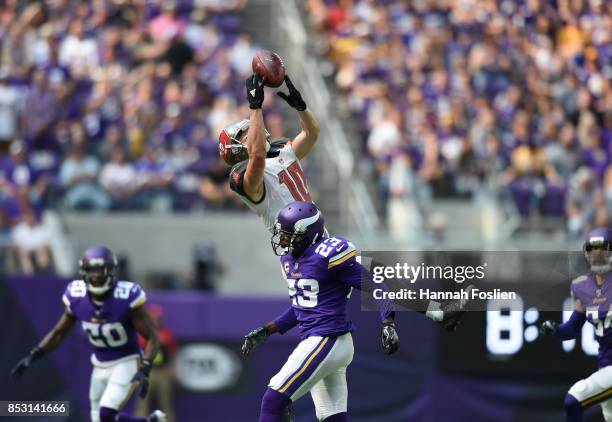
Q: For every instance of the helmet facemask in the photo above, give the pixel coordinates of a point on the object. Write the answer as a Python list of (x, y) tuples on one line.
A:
[(599, 256), (232, 150), (98, 277), (296, 229), (284, 242)]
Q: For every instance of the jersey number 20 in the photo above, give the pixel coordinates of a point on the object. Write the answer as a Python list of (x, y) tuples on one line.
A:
[(295, 181), (105, 335)]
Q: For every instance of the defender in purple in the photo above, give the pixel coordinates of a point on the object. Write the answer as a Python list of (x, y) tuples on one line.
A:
[(593, 303), (321, 273), (111, 312)]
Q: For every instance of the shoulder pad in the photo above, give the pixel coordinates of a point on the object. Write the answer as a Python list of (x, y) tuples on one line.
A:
[(277, 144), (75, 290), (240, 167), (335, 250), (577, 286), (132, 293), (580, 279), (342, 253)]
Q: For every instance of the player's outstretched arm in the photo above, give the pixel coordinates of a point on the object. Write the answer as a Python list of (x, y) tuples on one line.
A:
[(351, 272), (257, 336), (144, 325), (286, 321), (570, 328), (389, 338), (53, 339), (256, 141), (302, 144), (356, 275)]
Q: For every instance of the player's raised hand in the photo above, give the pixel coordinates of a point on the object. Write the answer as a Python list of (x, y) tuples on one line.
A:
[(142, 378), (254, 339), (389, 338), (294, 99), (255, 91), (21, 367), (548, 328), (26, 362)]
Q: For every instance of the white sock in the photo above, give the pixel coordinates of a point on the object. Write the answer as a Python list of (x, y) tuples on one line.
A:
[(434, 312)]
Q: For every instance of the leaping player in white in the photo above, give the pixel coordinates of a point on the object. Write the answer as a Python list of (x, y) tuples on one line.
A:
[(267, 174)]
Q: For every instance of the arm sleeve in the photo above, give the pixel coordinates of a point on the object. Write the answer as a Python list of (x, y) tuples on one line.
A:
[(570, 328), (356, 275), (286, 321)]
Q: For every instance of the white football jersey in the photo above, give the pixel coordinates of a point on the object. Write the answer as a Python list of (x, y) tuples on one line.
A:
[(284, 183)]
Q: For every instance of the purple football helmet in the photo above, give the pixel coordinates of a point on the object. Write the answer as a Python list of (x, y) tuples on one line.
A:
[(297, 226), (98, 269), (598, 250)]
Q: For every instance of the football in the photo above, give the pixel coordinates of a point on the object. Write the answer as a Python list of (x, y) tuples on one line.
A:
[(269, 65)]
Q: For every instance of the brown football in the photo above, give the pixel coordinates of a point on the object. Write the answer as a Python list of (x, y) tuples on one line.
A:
[(269, 65)]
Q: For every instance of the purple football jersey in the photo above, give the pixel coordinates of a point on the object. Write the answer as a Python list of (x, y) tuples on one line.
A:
[(597, 301), (109, 326), (320, 282)]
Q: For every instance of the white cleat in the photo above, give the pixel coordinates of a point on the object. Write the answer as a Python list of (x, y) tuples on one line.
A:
[(157, 416)]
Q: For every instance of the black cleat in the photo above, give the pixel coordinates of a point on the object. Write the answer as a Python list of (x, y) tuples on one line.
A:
[(288, 415), (454, 310)]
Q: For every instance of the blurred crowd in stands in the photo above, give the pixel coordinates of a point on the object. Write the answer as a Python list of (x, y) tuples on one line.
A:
[(455, 96), (117, 105)]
